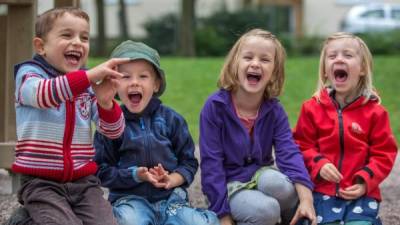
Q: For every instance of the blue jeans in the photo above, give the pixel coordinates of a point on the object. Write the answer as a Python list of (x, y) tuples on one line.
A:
[(135, 210)]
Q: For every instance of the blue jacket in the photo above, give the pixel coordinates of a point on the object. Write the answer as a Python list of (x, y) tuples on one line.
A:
[(229, 154), (158, 135)]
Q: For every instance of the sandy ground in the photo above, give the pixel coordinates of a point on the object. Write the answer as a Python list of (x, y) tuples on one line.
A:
[(389, 210)]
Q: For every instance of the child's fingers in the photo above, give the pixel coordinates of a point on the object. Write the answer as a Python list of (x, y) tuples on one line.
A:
[(112, 63)]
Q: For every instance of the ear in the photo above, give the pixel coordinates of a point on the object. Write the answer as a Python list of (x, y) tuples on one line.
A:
[(38, 45), (157, 84)]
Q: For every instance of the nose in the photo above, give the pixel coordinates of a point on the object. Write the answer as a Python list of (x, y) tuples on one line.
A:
[(255, 63), (134, 81), (76, 40)]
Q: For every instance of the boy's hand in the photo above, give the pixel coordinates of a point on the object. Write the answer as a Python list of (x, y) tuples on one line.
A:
[(353, 192), (330, 173), (144, 175), (106, 69), (166, 180), (105, 92)]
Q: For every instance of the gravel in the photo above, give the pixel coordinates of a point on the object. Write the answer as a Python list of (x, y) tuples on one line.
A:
[(389, 212)]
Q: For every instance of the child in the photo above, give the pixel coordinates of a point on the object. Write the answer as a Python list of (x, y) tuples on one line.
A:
[(54, 109), (239, 126), (149, 168), (345, 136)]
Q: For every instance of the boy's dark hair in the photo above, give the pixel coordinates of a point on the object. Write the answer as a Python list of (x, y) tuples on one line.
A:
[(45, 21)]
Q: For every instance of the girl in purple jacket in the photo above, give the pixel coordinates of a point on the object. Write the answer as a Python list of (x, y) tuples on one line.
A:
[(239, 126)]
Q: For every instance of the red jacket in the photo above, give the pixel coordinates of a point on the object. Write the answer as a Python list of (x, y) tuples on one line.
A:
[(356, 139)]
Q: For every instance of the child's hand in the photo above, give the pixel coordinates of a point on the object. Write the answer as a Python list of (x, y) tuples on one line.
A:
[(226, 220), (305, 209), (330, 173), (353, 192), (105, 92), (106, 69), (144, 175), (166, 180)]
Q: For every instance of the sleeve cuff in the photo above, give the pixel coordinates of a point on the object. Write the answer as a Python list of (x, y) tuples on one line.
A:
[(367, 175), (134, 174), (78, 81), (319, 162), (112, 115)]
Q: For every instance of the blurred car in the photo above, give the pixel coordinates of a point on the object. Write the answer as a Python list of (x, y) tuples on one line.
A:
[(372, 18)]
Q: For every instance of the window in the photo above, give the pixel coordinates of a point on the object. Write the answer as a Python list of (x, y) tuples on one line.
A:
[(396, 14), (127, 2), (374, 14)]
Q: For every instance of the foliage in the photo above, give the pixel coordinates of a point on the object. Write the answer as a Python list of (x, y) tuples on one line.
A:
[(190, 81), (162, 34)]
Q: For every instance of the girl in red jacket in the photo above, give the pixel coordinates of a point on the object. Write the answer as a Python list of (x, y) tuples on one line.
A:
[(345, 136)]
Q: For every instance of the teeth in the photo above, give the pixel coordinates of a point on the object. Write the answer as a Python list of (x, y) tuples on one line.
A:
[(74, 53)]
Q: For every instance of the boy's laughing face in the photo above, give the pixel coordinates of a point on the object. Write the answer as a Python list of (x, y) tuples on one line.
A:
[(66, 46), (138, 85)]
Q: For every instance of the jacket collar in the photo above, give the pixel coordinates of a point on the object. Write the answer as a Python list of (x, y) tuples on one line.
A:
[(153, 105), (224, 97), (38, 60), (327, 98)]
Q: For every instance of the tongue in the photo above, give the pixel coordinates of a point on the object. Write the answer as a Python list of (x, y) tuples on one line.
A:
[(135, 99), (72, 59), (341, 78), (252, 80)]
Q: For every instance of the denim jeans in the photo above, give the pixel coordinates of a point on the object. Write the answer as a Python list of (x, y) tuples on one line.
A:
[(135, 210)]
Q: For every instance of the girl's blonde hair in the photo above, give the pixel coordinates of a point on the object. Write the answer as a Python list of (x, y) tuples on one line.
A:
[(364, 87), (228, 78)]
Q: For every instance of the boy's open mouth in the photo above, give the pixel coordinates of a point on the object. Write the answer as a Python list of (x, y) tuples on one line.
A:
[(73, 56), (253, 78), (340, 75), (135, 97)]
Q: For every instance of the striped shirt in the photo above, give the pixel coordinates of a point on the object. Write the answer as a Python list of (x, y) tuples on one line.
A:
[(54, 115)]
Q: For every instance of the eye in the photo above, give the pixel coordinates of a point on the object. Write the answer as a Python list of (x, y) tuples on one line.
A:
[(85, 38), (247, 57), (126, 76), (66, 35), (265, 60), (143, 76), (331, 56)]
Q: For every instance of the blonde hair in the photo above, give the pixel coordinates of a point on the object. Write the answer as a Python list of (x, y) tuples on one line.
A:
[(364, 87), (228, 78)]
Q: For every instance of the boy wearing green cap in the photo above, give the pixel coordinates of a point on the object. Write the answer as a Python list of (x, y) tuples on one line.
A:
[(150, 166)]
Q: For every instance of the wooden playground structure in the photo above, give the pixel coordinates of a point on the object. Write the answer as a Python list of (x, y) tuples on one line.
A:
[(16, 34)]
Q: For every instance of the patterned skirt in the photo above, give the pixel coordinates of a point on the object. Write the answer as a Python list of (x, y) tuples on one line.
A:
[(333, 209)]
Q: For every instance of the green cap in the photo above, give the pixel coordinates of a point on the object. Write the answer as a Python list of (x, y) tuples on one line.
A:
[(139, 50)]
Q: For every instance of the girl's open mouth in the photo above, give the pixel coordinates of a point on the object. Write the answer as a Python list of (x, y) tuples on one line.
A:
[(253, 78), (340, 75)]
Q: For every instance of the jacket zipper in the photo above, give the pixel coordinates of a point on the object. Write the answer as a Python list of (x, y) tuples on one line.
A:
[(145, 143), (68, 133), (341, 139)]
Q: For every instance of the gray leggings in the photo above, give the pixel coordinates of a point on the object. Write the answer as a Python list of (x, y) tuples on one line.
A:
[(274, 196)]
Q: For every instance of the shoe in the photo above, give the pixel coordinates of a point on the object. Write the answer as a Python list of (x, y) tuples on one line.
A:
[(19, 215)]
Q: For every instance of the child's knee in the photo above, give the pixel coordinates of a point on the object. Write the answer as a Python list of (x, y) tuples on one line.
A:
[(193, 216)]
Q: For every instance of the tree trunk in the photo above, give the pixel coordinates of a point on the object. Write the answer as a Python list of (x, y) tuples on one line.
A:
[(122, 20), (100, 47), (187, 28)]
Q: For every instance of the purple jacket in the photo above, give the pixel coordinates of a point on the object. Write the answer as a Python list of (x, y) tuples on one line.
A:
[(228, 153)]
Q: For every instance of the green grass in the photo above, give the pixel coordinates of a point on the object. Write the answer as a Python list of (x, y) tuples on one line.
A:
[(190, 81)]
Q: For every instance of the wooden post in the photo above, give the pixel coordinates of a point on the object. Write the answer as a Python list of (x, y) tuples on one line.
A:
[(3, 63)]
